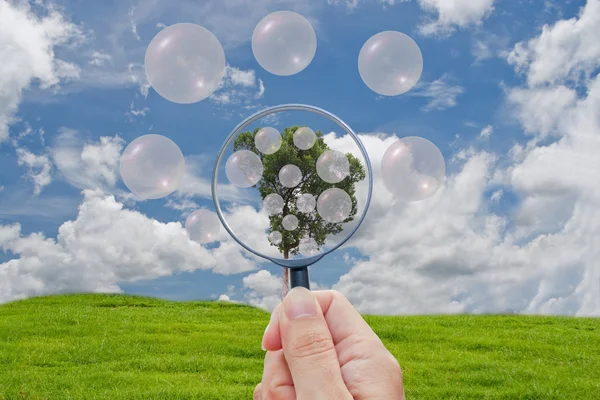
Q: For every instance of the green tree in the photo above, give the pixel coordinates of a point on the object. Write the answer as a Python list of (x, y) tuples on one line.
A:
[(309, 225)]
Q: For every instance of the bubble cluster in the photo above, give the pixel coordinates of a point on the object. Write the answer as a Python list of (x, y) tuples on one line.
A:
[(390, 63), (284, 43), (304, 138), (152, 166), (267, 140), (334, 205), (203, 226), (290, 176), (273, 204), (185, 63), (290, 222), (333, 166), (308, 247), (275, 237), (244, 169), (413, 168), (306, 203)]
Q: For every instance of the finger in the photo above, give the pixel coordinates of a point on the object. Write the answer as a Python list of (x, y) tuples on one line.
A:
[(257, 395), (308, 348), (271, 339), (277, 380)]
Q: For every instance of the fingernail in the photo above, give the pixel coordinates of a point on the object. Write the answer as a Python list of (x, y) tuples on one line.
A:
[(300, 303)]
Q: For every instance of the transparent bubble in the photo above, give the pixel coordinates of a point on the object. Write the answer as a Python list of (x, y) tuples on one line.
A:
[(334, 205), (268, 140), (413, 168), (290, 176), (273, 203), (390, 63), (290, 222), (275, 237), (306, 203), (203, 226), (304, 138), (185, 63), (244, 169), (152, 166), (333, 166), (308, 247), (284, 43)]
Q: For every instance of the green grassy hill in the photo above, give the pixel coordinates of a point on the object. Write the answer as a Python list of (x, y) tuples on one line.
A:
[(126, 347)]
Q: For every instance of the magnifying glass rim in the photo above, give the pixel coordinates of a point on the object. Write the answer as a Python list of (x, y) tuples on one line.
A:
[(289, 263)]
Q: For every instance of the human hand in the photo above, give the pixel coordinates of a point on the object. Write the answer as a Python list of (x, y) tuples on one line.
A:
[(319, 347)]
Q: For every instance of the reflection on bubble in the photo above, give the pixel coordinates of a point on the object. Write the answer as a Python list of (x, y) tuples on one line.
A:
[(290, 176), (306, 203), (413, 168), (304, 138), (334, 205), (308, 247), (185, 63), (152, 166), (390, 63), (290, 223), (268, 140), (203, 226), (275, 237), (333, 166), (273, 203), (284, 43), (244, 169)]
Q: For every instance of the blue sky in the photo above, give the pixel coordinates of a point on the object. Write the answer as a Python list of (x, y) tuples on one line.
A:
[(469, 84)]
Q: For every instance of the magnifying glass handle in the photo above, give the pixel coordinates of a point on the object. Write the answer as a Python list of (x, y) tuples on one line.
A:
[(299, 277)]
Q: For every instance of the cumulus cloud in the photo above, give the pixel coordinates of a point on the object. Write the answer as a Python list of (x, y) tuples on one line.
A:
[(453, 14), (39, 168), (28, 42), (104, 245), (238, 87), (569, 49)]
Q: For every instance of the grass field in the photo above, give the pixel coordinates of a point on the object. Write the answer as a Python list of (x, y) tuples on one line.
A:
[(127, 347)]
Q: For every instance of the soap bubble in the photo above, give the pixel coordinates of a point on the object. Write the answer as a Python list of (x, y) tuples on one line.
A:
[(203, 226), (185, 63), (334, 205), (267, 140), (244, 169), (152, 166), (290, 176), (304, 138), (273, 203), (290, 222), (390, 63), (308, 247), (275, 237), (284, 43), (306, 203), (333, 166), (413, 168)]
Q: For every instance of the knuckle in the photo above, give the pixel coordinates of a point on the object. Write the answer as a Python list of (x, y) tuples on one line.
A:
[(313, 344), (275, 393)]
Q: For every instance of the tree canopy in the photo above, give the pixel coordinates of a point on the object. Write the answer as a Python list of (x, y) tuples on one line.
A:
[(311, 224)]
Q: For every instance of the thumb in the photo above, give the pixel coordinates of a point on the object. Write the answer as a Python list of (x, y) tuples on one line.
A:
[(308, 348)]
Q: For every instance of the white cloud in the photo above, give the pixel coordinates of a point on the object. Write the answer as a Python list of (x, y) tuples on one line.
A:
[(569, 49), (486, 132), (134, 31), (88, 165), (99, 58), (238, 87), (353, 4), (440, 93), (39, 168), (105, 245), (28, 44), (452, 14)]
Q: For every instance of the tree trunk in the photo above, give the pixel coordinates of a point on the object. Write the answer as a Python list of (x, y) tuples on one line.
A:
[(285, 287)]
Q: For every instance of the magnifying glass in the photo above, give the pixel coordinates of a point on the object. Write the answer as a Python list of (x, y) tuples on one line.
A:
[(302, 197)]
